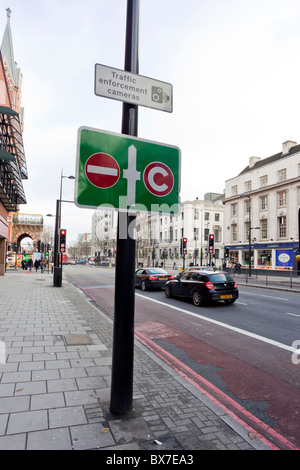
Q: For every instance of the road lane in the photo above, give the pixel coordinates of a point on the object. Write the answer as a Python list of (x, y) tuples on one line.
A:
[(256, 373)]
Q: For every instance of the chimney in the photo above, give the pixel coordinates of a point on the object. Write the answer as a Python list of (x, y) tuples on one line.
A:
[(253, 160), (286, 146)]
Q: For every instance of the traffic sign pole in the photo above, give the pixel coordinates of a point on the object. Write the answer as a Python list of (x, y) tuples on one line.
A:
[(123, 336)]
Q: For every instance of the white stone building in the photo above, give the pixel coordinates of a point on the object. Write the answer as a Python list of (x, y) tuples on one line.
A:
[(269, 191), (158, 237), (104, 229)]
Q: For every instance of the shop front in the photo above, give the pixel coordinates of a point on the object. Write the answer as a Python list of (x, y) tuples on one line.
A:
[(278, 256)]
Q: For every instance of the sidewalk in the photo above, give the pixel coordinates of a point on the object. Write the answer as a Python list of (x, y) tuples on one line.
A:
[(55, 384)]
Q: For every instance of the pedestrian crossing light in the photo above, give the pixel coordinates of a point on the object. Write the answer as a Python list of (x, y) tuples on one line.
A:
[(62, 240), (184, 247), (211, 240)]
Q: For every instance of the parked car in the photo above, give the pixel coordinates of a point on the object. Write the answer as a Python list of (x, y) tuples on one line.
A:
[(203, 286), (155, 278)]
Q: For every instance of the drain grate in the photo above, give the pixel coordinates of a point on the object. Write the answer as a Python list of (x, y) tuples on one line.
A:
[(71, 340)]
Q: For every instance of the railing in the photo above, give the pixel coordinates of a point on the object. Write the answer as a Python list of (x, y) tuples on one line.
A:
[(276, 279)]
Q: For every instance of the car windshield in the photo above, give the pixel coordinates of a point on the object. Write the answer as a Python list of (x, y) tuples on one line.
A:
[(220, 277), (156, 271)]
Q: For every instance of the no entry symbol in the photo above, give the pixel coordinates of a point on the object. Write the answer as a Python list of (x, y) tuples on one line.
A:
[(102, 170)]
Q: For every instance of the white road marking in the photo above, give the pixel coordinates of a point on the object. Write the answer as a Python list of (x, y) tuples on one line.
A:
[(262, 295), (229, 327)]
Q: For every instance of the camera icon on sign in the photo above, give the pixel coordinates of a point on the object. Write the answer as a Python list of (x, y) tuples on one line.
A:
[(158, 95)]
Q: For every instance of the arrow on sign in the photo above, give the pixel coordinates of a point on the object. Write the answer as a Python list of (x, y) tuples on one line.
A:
[(132, 176)]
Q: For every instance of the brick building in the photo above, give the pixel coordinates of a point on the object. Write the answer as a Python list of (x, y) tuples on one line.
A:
[(12, 157)]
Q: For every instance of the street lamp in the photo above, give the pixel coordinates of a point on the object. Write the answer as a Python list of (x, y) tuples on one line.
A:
[(57, 276)]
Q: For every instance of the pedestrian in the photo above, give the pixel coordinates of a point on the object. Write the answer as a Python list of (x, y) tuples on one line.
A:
[(29, 264), (36, 264)]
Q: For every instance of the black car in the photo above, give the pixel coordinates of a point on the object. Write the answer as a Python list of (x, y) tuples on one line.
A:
[(148, 278), (197, 268), (203, 286)]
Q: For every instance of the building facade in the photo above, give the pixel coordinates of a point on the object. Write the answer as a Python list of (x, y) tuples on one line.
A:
[(12, 156), (159, 237), (263, 201)]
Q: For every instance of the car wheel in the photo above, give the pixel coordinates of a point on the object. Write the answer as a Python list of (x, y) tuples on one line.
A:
[(231, 301), (197, 299), (143, 285), (168, 293)]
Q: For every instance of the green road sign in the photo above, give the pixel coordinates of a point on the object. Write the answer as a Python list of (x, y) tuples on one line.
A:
[(126, 173)]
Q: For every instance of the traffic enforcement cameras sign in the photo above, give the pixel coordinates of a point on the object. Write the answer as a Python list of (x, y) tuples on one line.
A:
[(117, 171)]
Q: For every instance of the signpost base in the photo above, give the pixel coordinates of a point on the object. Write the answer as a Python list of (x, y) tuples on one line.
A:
[(57, 276)]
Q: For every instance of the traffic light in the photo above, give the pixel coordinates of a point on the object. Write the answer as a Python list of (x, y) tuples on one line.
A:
[(211, 240), (226, 252), (184, 247), (62, 240), (15, 247), (39, 246)]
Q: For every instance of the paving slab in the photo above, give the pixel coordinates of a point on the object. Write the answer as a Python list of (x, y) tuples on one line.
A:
[(55, 383)]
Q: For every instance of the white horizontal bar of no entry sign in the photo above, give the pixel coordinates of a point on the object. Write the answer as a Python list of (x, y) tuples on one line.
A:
[(102, 170)]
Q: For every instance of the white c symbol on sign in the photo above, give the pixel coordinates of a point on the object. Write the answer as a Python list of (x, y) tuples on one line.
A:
[(152, 173)]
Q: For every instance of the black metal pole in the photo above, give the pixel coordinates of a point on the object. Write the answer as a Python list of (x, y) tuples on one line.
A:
[(249, 236), (123, 337), (298, 259), (57, 271)]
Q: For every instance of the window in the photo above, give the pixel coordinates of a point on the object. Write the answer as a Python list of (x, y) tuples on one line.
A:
[(206, 233), (247, 206), (246, 230), (233, 190), (196, 214), (196, 233), (234, 232), (281, 198), (217, 217), (206, 216), (281, 175), (282, 226), (248, 185), (263, 180), (264, 228), (233, 210), (218, 235), (264, 203)]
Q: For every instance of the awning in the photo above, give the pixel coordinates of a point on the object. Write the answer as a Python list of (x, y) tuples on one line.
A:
[(11, 138), (12, 160), (6, 156)]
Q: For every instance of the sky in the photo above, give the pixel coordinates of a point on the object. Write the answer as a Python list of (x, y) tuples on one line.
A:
[(233, 64)]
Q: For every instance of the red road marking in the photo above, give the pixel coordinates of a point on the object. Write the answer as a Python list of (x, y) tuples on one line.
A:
[(185, 372)]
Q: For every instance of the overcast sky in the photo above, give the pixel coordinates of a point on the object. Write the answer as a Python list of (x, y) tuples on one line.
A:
[(234, 66)]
